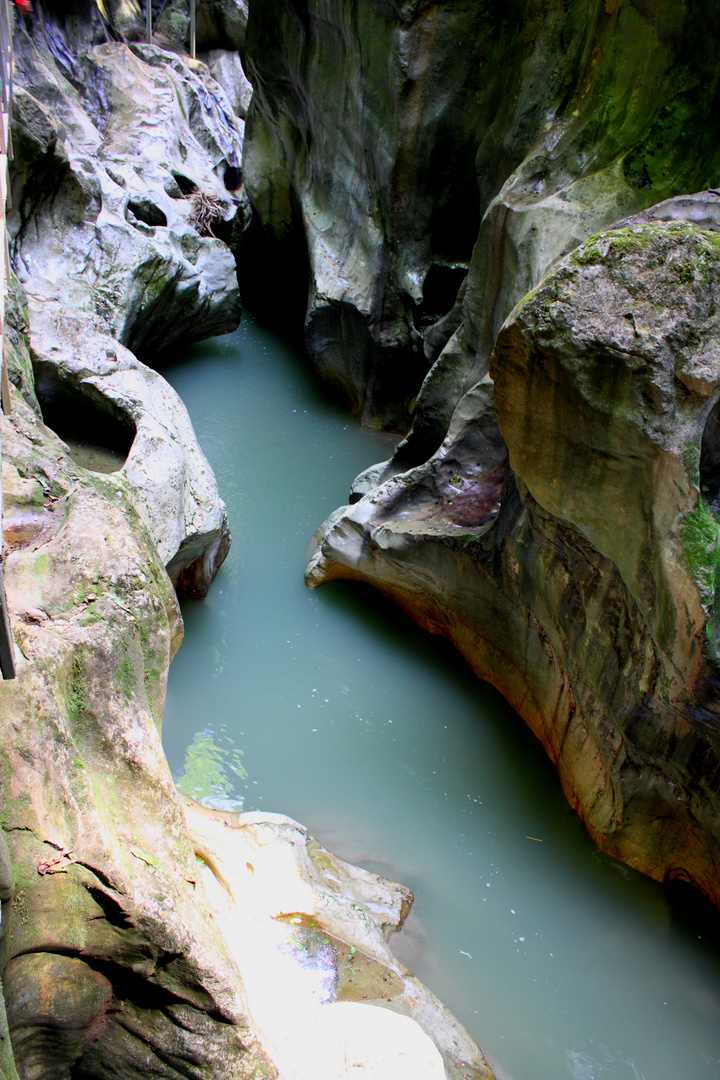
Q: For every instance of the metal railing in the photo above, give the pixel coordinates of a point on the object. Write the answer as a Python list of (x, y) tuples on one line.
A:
[(7, 659)]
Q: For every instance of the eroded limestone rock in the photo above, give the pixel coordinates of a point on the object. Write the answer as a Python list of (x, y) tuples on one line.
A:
[(115, 151), (565, 537), (113, 962)]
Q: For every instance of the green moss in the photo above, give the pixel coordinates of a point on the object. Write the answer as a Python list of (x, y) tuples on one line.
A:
[(92, 616), (684, 273), (700, 536), (41, 565), (75, 691), (126, 676)]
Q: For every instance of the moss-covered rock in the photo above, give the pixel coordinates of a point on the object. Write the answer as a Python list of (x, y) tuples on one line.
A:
[(113, 963)]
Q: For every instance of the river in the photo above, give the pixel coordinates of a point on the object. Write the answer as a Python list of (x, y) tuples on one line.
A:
[(331, 707)]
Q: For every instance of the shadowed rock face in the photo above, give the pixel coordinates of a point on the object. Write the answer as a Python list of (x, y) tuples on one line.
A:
[(386, 133), (560, 537)]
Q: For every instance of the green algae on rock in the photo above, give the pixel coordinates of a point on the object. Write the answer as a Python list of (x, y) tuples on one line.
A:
[(91, 813)]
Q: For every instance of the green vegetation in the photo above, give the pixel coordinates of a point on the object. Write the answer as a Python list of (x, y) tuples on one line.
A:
[(210, 770), (75, 690), (126, 676), (700, 537)]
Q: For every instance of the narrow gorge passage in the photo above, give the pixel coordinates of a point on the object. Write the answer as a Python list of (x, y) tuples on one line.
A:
[(342, 714)]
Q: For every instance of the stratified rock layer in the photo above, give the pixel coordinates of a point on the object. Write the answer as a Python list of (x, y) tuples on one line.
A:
[(565, 537)]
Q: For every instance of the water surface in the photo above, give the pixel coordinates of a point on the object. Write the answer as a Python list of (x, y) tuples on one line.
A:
[(333, 708)]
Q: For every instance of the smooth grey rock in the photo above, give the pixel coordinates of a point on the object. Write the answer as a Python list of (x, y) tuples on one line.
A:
[(166, 474), (226, 68), (103, 213), (221, 24), (114, 262)]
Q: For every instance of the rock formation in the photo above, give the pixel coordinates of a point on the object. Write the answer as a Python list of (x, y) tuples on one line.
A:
[(565, 536), (402, 143), (119, 186), (551, 509), (126, 914), (113, 963)]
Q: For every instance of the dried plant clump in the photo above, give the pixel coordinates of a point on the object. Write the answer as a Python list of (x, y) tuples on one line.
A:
[(206, 210)]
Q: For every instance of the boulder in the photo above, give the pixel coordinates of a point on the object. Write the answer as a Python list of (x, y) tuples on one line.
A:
[(310, 934), (222, 24), (226, 68)]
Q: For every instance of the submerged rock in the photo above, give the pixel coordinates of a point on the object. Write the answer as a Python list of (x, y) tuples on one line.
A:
[(565, 537)]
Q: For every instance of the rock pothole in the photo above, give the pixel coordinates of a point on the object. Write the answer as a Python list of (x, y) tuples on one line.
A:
[(98, 433)]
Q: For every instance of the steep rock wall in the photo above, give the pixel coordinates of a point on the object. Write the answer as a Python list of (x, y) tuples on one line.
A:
[(117, 152), (381, 136), (565, 537)]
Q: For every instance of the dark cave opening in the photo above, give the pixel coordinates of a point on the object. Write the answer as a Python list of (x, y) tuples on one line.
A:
[(146, 211), (440, 290), (186, 185)]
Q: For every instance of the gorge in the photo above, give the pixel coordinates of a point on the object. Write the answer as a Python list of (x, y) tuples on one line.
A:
[(497, 225)]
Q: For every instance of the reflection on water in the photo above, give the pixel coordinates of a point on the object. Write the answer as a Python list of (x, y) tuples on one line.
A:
[(561, 962), (212, 770)]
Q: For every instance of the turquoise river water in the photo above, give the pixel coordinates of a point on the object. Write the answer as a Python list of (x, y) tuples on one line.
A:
[(331, 707)]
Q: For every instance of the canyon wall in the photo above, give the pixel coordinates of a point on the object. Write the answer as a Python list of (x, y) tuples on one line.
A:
[(553, 506), (402, 143), (141, 934)]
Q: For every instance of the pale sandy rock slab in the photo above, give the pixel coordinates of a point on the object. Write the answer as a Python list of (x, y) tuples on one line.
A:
[(310, 934)]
